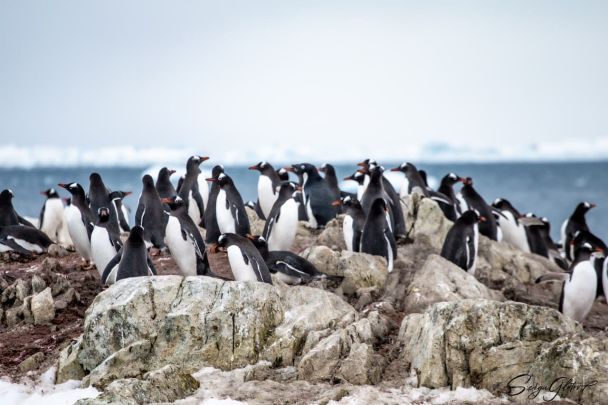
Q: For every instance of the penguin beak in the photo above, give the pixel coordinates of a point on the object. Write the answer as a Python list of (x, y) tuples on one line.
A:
[(213, 248), (362, 164), (166, 200), (211, 179), (482, 219), (396, 169), (62, 185), (254, 167), (298, 187), (336, 203), (461, 179), (349, 177), (599, 250), (203, 158), (43, 193), (250, 237), (362, 171), (126, 193), (172, 171), (592, 206), (289, 169)]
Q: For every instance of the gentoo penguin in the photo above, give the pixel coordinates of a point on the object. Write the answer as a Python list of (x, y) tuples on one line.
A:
[(552, 247), (462, 240), (352, 225), (424, 178), (267, 186), (316, 194), (121, 209), (180, 183), (513, 230), (585, 237), (446, 187), (51, 215), (282, 221), (184, 240), (229, 208), (299, 197), (189, 190), (331, 179), (362, 181), (80, 220), (415, 181), (283, 174), (211, 227), (377, 238), (150, 214), (375, 190), (475, 201), (24, 240), (576, 222), (163, 183), (288, 266), (99, 196), (104, 242), (8, 215), (246, 262), (64, 234), (132, 260)]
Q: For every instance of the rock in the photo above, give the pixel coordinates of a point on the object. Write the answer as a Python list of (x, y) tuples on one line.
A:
[(360, 270), (22, 289), (255, 223), (43, 307), (424, 221), (487, 343), (142, 324), (332, 236), (167, 384), (361, 365), (26, 310), (12, 316), (38, 284), (32, 362), (68, 367), (50, 265), (56, 250), (439, 280)]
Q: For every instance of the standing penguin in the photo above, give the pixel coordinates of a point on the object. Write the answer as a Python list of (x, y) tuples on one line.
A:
[(80, 220), (462, 240), (184, 240), (446, 187), (283, 174), (377, 237), (8, 215), (352, 225), (24, 240), (576, 222), (121, 210), (331, 179), (475, 201), (132, 260), (163, 183), (211, 227), (245, 260), (189, 190), (282, 222), (513, 230), (362, 181), (316, 194), (415, 181), (229, 208), (104, 242), (267, 186), (99, 196), (150, 214), (51, 215)]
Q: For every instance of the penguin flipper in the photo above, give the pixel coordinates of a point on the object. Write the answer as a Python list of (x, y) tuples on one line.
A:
[(40, 220), (121, 218), (15, 246), (285, 268), (25, 222), (110, 266), (471, 249)]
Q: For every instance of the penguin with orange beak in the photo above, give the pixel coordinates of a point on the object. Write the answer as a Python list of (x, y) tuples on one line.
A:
[(576, 222), (462, 241), (189, 190), (377, 237), (51, 215)]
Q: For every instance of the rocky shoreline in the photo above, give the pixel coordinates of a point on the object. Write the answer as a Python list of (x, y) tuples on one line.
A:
[(376, 334)]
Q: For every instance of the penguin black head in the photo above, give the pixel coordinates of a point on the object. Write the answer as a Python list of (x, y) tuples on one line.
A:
[(286, 188), (283, 174), (584, 207), (193, 163), (356, 176), (467, 181), (50, 193), (73, 188), (174, 203), (366, 163), (95, 178), (375, 171), (6, 195), (165, 172), (263, 167), (504, 205), (103, 214), (405, 168), (119, 195), (302, 168), (147, 181), (260, 243), (136, 235), (347, 201), (450, 179), (327, 169), (216, 171), (472, 217), (222, 180)]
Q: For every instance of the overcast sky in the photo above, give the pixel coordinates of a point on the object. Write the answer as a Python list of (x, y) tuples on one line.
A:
[(337, 75)]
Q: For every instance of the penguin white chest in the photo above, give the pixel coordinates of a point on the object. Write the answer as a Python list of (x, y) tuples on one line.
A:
[(203, 189), (225, 220), (193, 210), (347, 230), (53, 218), (266, 194), (242, 271), (102, 250), (579, 291), (78, 232), (183, 251), (472, 255), (605, 278), (512, 232), (312, 221), (284, 230)]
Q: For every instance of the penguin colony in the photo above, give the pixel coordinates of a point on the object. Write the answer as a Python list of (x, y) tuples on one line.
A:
[(171, 218)]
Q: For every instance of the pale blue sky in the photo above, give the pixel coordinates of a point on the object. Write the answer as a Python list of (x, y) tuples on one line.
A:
[(340, 75)]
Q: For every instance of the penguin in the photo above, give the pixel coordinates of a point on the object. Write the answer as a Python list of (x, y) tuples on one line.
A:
[(267, 186), (362, 181), (150, 214), (245, 260), (288, 266), (121, 210), (475, 201), (211, 226), (184, 240), (8, 215), (462, 240), (255, 207), (24, 240), (424, 177), (189, 190), (576, 222), (79, 220), (282, 223), (352, 225), (99, 196), (598, 260), (316, 194), (64, 234), (163, 183), (377, 238), (552, 248), (585, 237), (51, 215), (414, 179), (375, 190), (299, 198), (283, 174), (104, 242), (180, 183), (132, 260), (514, 231), (446, 187), (331, 179), (229, 208)]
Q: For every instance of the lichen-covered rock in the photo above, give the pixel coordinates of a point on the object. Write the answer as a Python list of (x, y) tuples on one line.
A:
[(43, 307), (332, 235), (144, 323), (486, 343), (439, 280), (68, 367), (424, 221), (255, 223)]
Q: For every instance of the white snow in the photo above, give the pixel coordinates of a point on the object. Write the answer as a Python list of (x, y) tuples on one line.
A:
[(44, 391)]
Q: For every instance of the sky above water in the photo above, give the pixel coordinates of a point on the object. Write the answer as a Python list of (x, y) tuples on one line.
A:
[(330, 78)]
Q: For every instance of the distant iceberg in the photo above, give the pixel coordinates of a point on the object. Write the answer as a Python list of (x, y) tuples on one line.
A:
[(12, 156)]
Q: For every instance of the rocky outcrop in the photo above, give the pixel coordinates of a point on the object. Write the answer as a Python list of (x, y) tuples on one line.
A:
[(487, 343), (332, 235), (439, 280)]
